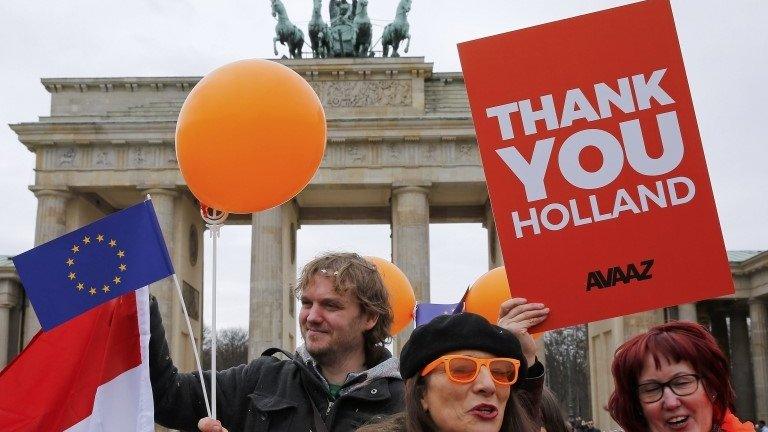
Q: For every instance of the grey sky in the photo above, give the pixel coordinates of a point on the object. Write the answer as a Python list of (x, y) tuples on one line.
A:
[(725, 49)]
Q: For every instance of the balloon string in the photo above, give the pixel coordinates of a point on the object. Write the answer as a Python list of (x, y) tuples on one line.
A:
[(214, 236), (214, 220)]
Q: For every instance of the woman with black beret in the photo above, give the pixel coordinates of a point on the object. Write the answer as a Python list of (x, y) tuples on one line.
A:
[(463, 373)]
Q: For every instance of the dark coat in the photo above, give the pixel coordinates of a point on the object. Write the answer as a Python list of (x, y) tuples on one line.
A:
[(267, 394)]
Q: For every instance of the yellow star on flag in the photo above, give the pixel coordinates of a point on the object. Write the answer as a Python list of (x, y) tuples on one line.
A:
[(122, 267), (121, 254), (71, 276), (70, 262), (80, 286), (106, 288), (100, 238), (112, 243), (75, 249), (92, 291), (116, 280), (86, 240)]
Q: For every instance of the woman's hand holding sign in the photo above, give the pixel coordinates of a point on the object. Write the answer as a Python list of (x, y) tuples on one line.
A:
[(517, 316)]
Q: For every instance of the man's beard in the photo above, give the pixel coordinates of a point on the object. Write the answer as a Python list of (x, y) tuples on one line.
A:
[(335, 351)]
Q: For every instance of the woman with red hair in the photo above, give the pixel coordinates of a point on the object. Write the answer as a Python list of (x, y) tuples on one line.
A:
[(673, 378)]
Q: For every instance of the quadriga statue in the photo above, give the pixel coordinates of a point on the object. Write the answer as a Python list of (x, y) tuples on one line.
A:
[(286, 32), (319, 32), (396, 31)]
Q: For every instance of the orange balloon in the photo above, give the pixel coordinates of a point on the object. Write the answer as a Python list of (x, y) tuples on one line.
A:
[(487, 293), (250, 136), (401, 296)]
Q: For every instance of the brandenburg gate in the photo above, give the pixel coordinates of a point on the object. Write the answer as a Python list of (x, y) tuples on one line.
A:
[(401, 150)]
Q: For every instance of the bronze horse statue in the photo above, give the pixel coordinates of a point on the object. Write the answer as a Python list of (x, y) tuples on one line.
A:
[(362, 24), (286, 31), (319, 33), (398, 30)]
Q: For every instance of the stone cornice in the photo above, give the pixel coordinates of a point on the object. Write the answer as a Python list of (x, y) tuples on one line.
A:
[(756, 263), (56, 85), (412, 129), (47, 134), (347, 68), (447, 77), (356, 68)]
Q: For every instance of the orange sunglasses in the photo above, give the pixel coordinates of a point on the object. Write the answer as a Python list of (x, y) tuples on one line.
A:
[(464, 369)]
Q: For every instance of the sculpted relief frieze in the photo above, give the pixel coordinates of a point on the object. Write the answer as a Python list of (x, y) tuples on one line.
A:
[(387, 154), (340, 154), (109, 157), (356, 94), (137, 158), (66, 157), (104, 158)]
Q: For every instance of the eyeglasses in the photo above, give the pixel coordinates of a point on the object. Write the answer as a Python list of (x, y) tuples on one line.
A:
[(681, 385), (464, 369)]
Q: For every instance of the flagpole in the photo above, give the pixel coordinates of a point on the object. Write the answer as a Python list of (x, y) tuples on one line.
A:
[(194, 344), (191, 337), (214, 220)]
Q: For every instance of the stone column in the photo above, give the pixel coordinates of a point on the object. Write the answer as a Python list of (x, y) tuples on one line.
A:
[(5, 321), (741, 365), (267, 274), (164, 201), (51, 222), (687, 312), (495, 258), (9, 298), (410, 242), (759, 347), (720, 329)]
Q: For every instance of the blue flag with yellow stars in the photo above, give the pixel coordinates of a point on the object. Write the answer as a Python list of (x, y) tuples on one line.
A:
[(426, 312), (94, 264)]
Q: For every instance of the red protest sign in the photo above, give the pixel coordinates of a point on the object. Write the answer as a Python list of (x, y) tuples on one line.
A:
[(594, 164)]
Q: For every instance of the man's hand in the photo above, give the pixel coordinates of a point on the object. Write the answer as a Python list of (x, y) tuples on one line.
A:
[(517, 316), (207, 424)]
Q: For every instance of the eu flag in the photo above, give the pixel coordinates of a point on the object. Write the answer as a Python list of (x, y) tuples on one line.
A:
[(94, 264), (426, 312)]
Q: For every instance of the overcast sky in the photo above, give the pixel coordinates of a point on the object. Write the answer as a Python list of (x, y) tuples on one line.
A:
[(724, 44)]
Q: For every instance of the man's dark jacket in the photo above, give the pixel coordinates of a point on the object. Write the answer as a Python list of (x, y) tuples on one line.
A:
[(269, 394)]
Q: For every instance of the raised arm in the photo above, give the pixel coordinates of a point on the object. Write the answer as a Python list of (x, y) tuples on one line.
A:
[(178, 397), (517, 316)]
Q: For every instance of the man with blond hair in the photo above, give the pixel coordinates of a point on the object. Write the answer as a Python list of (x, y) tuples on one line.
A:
[(339, 379)]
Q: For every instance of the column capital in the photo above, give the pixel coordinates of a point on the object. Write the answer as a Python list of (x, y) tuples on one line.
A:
[(9, 293), (687, 312), (397, 190), (488, 221), (57, 191), (9, 274), (411, 182), (758, 300), (167, 190)]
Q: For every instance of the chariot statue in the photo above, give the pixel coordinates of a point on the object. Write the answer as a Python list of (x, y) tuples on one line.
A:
[(342, 29), (348, 34)]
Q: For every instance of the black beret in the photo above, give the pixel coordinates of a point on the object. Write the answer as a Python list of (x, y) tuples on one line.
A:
[(464, 331)]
